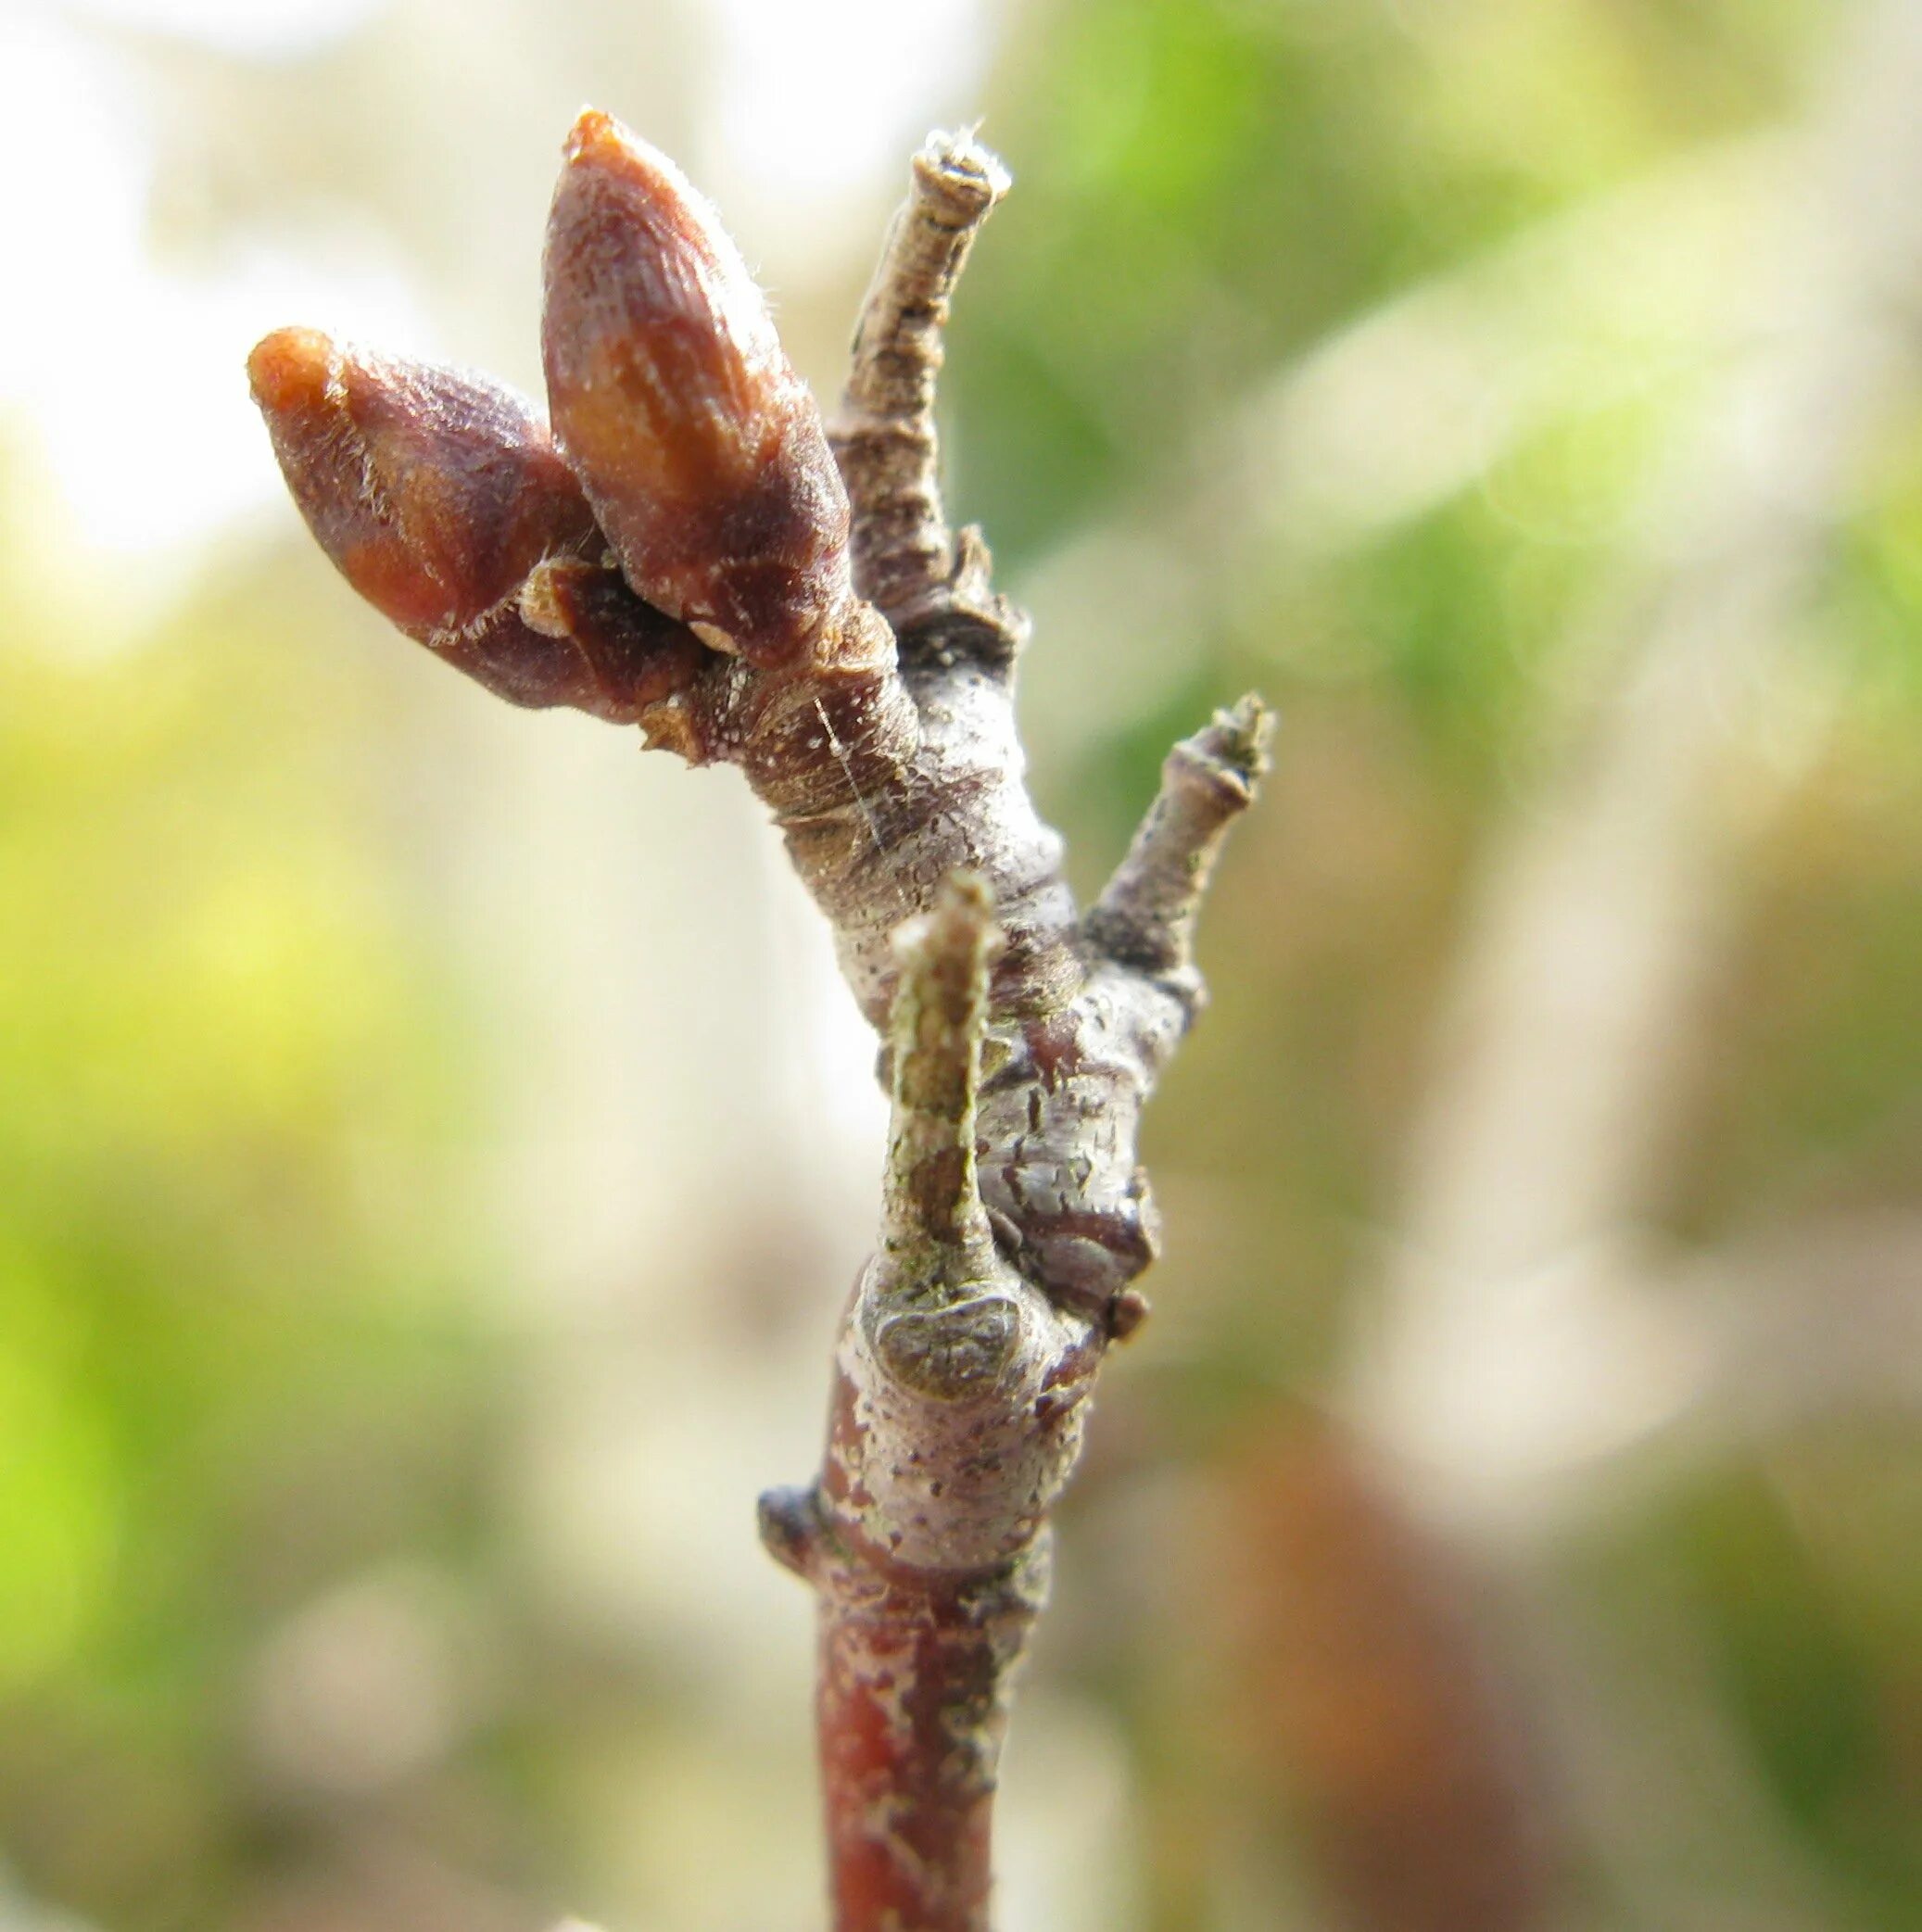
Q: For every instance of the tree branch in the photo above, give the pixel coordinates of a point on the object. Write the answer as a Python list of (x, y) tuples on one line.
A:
[(682, 553), (957, 1419)]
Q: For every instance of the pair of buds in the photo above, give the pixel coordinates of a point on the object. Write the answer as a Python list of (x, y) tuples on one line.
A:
[(685, 502)]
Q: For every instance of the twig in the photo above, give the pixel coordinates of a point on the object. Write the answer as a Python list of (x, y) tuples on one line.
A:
[(957, 1417), (1146, 915), (684, 556), (884, 437)]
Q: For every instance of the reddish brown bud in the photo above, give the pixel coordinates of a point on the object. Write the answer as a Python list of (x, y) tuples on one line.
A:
[(633, 656), (437, 494), (701, 450)]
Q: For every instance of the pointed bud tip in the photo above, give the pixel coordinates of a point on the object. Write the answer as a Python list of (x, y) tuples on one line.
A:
[(292, 369), (594, 133), (603, 156), (596, 140)]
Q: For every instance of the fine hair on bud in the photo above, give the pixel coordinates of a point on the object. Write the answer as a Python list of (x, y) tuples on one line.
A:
[(701, 450), (438, 495)]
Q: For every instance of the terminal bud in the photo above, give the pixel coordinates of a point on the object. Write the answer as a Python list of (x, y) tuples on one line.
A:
[(700, 448)]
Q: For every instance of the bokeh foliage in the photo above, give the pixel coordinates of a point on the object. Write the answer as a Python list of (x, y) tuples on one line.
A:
[(249, 1349)]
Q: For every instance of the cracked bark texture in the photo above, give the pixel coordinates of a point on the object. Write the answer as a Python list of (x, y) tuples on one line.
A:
[(688, 549)]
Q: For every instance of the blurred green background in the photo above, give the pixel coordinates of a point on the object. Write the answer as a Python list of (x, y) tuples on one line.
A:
[(433, 1143)]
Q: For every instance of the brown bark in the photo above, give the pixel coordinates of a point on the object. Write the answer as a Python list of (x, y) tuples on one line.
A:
[(746, 596)]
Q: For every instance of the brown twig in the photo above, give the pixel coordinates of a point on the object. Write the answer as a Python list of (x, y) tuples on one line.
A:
[(957, 1419), (885, 437), (683, 554)]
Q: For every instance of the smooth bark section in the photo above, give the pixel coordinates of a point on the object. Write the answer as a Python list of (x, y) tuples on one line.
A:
[(912, 1709)]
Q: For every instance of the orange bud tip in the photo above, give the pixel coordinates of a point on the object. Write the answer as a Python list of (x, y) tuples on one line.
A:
[(597, 143), (292, 368), (591, 128)]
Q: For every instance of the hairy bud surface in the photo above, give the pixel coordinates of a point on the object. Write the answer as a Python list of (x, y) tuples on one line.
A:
[(439, 497), (700, 447)]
